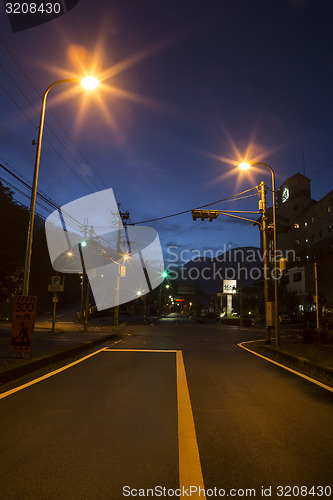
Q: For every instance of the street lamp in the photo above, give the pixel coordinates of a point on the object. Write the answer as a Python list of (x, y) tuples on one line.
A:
[(88, 82), (245, 166)]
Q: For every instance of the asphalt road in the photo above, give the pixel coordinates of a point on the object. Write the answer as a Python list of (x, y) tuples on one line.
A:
[(172, 405)]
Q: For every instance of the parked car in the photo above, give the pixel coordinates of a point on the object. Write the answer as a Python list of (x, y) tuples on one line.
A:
[(284, 318)]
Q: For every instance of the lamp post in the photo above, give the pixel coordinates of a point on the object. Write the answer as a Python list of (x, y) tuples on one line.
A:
[(244, 166), (89, 82)]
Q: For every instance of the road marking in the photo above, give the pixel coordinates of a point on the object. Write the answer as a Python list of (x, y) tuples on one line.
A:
[(50, 374), (324, 386), (139, 350), (190, 473)]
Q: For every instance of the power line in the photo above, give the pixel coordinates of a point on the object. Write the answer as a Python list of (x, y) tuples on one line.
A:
[(229, 198), (71, 221), (320, 170)]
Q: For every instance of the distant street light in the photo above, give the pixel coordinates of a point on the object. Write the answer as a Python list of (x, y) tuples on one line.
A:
[(245, 166), (89, 82)]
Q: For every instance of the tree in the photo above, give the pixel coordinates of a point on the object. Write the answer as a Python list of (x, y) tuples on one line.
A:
[(14, 219)]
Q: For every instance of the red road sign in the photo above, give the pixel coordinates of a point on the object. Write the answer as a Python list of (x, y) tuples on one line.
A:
[(23, 323)]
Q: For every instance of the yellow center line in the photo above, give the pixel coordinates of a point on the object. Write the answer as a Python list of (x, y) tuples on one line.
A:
[(190, 473), (139, 350)]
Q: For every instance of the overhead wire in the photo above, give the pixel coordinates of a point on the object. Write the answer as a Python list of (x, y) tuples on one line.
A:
[(71, 222), (229, 198)]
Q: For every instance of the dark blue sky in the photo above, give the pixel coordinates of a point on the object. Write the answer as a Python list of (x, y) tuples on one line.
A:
[(187, 85)]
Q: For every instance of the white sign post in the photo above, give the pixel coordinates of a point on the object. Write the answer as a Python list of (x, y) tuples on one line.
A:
[(229, 289)]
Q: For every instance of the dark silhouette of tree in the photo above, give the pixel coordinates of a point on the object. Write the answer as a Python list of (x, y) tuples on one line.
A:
[(14, 223)]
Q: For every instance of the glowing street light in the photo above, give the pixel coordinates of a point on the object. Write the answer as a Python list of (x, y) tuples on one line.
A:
[(246, 166), (89, 82)]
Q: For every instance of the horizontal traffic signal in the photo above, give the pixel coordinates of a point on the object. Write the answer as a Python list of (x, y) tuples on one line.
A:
[(204, 214)]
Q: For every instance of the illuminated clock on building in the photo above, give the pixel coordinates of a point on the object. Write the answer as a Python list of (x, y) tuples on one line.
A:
[(285, 194)]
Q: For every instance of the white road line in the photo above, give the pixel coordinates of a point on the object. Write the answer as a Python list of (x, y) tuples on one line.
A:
[(324, 386)]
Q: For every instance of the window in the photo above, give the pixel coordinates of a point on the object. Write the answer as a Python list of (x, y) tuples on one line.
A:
[(312, 220), (296, 225), (297, 277), (298, 259), (319, 215), (297, 242), (328, 209)]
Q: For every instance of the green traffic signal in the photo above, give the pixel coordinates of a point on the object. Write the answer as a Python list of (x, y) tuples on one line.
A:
[(83, 243), (165, 274)]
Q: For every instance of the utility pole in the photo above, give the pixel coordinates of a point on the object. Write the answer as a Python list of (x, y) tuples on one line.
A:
[(84, 275), (317, 299), (262, 208), (116, 310), (240, 294), (86, 307), (123, 217)]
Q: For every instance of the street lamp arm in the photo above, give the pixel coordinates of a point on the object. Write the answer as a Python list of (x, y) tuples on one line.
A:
[(41, 124), (243, 218), (273, 176), (27, 262)]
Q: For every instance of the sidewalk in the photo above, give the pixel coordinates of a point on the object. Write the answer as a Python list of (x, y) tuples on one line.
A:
[(68, 340)]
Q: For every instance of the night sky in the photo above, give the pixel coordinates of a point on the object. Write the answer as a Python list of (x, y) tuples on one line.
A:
[(189, 88)]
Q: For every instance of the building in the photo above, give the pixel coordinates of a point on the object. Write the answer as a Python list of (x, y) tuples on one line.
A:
[(305, 236)]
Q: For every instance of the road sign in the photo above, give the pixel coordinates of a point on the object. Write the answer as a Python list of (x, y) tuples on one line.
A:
[(122, 271), (23, 323), (55, 299), (57, 280), (229, 286), (55, 288)]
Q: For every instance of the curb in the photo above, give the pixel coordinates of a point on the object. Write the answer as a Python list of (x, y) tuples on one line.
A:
[(44, 361), (304, 363)]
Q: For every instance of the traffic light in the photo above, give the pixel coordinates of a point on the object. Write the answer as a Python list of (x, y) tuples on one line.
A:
[(83, 243), (205, 214), (165, 274)]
